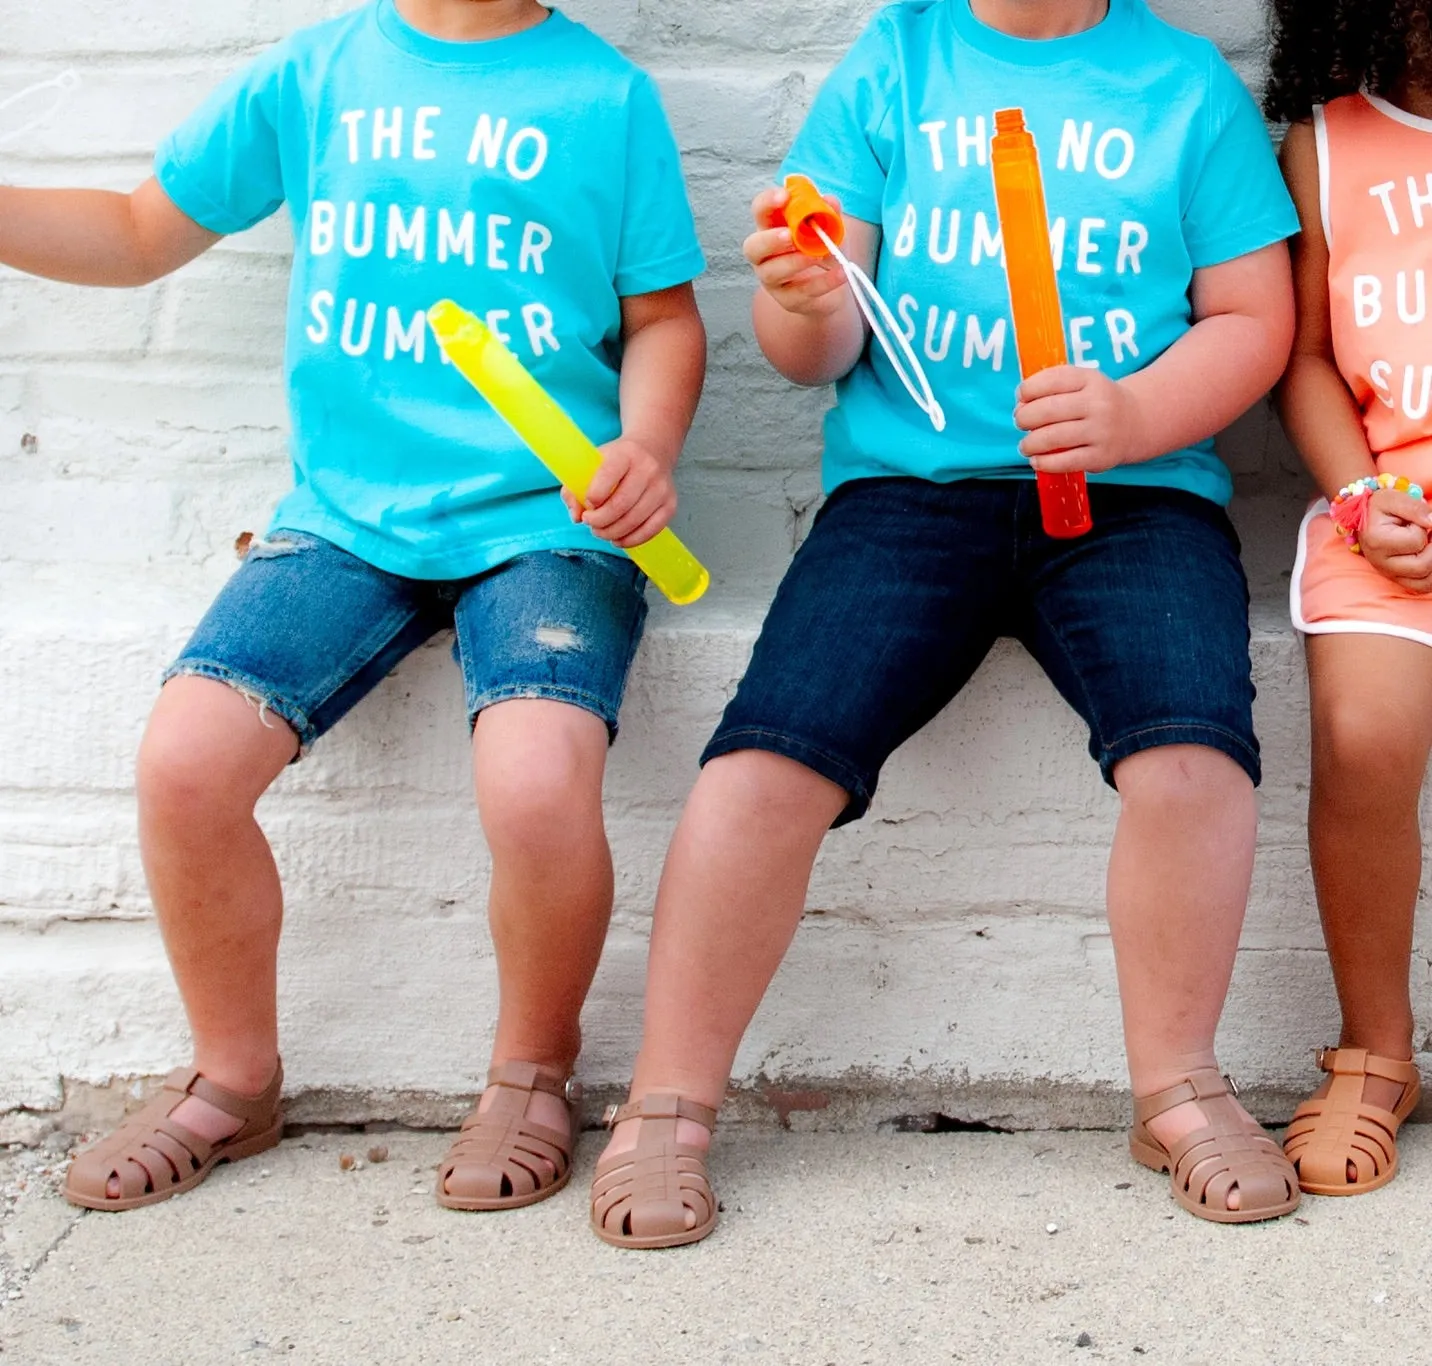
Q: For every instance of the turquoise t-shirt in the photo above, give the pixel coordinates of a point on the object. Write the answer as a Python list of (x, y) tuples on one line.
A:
[(532, 178), (1156, 163)]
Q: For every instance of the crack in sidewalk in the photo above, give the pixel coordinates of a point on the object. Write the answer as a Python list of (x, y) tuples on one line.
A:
[(18, 1269)]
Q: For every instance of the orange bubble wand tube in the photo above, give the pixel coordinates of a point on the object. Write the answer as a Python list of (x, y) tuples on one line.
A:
[(1034, 297)]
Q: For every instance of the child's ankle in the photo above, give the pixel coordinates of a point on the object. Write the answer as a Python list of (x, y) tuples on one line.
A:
[(247, 1076)]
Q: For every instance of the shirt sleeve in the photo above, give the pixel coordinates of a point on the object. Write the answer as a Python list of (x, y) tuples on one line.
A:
[(844, 144), (1237, 202), (658, 247), (222, 166)]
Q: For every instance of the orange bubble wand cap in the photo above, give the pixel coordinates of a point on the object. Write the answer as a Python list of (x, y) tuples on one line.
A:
[(817, 230), (813, 223)]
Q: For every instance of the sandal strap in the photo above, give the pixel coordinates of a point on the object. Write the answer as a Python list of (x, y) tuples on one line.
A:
[(658, 1106), (1203, 1083), (492, 1137), (1225, 1130), (531, 1076), (1228, 1150), (1332, 1131), (189, 1081), (657, 1193), (1358, 1062), (152, 1155), (498, 1157)]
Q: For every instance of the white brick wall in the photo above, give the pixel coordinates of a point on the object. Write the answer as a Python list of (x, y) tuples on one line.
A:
[(956, 952)]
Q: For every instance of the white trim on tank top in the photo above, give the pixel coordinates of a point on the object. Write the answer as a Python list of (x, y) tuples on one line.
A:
[(1320, 136), (1401, 115)]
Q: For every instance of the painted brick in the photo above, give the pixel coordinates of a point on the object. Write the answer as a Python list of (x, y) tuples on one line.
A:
[(959, 929)]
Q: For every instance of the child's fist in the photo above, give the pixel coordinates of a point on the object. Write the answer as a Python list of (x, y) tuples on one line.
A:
[(1077, 420), (797, 282), (1395, 539), (631, 496)]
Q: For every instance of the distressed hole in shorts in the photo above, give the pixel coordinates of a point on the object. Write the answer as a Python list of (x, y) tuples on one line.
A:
[(256, 700), (260, 704), (562, 639), (246, 543)]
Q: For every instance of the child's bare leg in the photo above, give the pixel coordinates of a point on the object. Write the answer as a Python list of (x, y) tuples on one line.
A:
[(1178, 884), (731, 896), (1372, 730), (206, 758), (538, 768)]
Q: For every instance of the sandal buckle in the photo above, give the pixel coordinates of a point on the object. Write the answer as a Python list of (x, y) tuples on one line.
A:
[(1232, 1085), (609, 1116), (1320, 1057), (572, 1091)]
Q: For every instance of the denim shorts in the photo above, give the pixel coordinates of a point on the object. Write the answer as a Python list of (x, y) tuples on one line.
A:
[(307, 630), (903, 585)]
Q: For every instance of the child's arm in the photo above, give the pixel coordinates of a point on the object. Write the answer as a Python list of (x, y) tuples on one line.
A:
[(1081, 419), (632, 496), (97, 237), (1318, 410), (805, 316)]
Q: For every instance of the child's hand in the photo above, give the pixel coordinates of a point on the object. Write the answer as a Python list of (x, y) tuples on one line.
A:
[(795, 281), (631, 497), (1395, 539), (1077, 419)]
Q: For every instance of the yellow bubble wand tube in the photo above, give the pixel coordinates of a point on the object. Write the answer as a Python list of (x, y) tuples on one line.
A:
[(553, 437)]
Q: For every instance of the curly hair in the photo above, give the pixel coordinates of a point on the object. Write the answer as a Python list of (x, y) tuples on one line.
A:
[(1326, 48)]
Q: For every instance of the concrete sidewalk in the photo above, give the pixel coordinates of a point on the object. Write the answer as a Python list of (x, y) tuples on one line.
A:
[(845, 1249)]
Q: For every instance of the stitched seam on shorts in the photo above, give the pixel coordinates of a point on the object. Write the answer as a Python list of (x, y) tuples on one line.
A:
[(1205, 734), (859, 793), (634, 634), (1094, 723), (546, 692), (1206, 727), (360, 658), (282, 707)]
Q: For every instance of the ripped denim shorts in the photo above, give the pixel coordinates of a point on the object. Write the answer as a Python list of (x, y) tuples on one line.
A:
[(307, 630)]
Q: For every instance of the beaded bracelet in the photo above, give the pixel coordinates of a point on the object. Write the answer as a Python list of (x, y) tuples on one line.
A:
[(1350, 508)]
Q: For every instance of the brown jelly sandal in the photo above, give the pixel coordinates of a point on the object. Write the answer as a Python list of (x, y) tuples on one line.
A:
[(502, 1159), (154, 1156), (1231, 1152), (1331, 1132), (656, 1194)]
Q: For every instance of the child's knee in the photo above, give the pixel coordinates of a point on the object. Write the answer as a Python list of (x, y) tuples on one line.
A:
[(1185, 782), (177, 780), (195, 763), (1362, 739), (554, 794), (770, 789)]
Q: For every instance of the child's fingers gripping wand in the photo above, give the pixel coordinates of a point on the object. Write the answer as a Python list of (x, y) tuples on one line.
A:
[(817, 230), (553, 437), (1034, 297)]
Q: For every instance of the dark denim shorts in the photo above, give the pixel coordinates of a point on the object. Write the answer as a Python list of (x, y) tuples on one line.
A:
[(307, 630), (903, 586)]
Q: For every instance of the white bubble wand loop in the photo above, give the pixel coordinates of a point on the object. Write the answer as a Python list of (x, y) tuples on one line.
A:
[(817, 230), (45, 97), (869, 301)]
